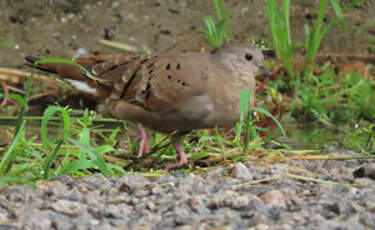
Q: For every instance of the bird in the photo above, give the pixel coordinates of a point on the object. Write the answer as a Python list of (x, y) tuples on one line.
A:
[(172, 93)]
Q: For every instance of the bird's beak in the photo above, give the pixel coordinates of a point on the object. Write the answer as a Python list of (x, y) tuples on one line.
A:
[(265, 72)]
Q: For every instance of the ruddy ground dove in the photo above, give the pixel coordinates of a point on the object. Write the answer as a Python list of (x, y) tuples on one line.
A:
[(171, 92)]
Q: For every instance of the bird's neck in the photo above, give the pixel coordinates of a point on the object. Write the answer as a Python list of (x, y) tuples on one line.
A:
[(227, 63)]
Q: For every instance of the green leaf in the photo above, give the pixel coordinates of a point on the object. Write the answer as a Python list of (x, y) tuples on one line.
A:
[(84, 135), (245, 96), (51, 159), (47, 116), (339, 12), (76, 165), (12, 179), (10, 154), (261, 110), (116, 167), (205, 138), (94, 155), (20, 100), (217, 7), (105, 149)]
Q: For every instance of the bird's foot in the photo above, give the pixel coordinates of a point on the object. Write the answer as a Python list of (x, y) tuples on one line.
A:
[(181, 157), (6, 99), (144, 145)]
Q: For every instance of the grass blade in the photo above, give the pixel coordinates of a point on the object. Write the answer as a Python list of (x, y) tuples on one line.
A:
[(10, 154), (50, 159)]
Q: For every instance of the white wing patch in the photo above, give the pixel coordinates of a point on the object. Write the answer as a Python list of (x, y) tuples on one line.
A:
[(82, 86)]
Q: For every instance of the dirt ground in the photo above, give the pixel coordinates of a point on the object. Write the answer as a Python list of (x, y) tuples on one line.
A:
[(61, 27)]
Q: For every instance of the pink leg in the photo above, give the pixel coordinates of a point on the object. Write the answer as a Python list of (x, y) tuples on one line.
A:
[(144, 145), (181, 156)]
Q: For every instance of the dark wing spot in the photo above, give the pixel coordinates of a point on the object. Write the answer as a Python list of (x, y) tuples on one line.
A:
[(134, 75), (113, 67), (168, 66), (169, 77), (148, 90), (178, 80), (178, 66), (183, 83), (144, 61)]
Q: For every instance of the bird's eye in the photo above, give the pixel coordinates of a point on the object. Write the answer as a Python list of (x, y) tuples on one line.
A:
[(248, 57)]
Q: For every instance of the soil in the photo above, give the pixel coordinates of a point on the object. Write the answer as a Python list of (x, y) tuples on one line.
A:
[(61, 27)]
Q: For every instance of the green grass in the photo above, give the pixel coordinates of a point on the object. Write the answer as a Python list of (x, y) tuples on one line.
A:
[(335, 98), (218, 32), (327, 98), (279, 26), (361, 139), (24, 161)]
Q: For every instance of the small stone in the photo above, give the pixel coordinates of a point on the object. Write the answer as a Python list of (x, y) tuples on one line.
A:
[(273, 198), (230, 199), (220, 200), (94, 222), (115, 4), (239, 202), (131, 184), (370, 204), (197, 205), (259, 227), (367, 170), (117, 211), (70, 208), (157, 190), (368, 219), (240, 171), (150, 206)]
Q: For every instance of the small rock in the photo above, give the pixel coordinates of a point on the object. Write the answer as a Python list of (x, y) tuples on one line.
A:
[(197, 205), (367, 170), (240, 171), (115, 4), (117, 211), (70, 208), (273, 198), (150, 206), (370, 204), (259, 227), (367, 219)]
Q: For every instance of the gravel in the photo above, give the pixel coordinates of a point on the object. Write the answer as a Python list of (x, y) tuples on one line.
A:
[(225, 198)]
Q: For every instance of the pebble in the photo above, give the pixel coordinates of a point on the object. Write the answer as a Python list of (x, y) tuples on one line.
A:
[(71, 208), (273, 198), (240, 171)]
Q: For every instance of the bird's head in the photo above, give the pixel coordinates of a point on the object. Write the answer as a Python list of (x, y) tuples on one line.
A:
[(243, 58)]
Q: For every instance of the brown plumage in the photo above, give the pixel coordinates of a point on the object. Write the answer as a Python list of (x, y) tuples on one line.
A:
[(169, 92)]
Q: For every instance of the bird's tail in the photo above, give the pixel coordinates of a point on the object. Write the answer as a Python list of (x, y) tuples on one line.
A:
[(75, 75)]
